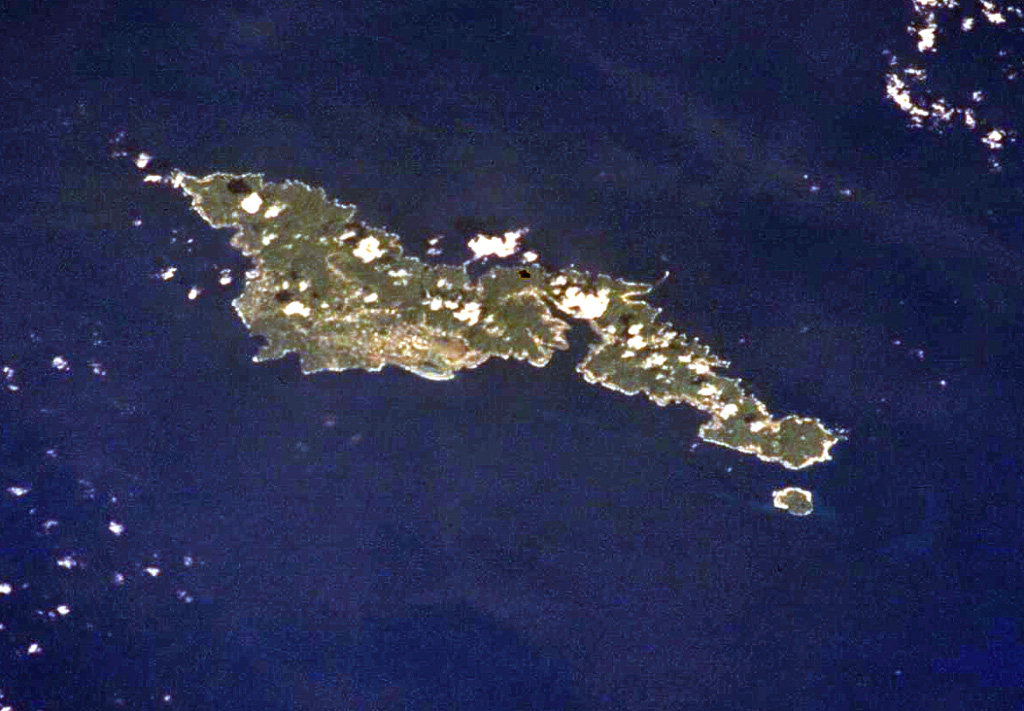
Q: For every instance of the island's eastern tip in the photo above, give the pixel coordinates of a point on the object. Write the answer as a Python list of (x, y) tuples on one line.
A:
[(343, 295)]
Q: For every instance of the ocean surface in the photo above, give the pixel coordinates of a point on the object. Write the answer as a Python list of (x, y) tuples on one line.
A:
[(181, 528)]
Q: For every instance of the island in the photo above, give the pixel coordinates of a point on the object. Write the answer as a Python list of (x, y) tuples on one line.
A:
[(798, 502), (343, 295)]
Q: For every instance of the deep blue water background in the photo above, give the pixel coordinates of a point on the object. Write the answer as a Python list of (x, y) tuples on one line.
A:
[(514, 538)]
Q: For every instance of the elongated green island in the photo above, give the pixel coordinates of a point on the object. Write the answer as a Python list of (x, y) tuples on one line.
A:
[(343, 296)]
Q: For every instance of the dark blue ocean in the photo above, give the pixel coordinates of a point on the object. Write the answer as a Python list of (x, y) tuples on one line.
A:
[(181, 528)]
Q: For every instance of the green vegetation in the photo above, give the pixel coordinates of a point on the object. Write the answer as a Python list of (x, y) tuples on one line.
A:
[(342, 295)]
